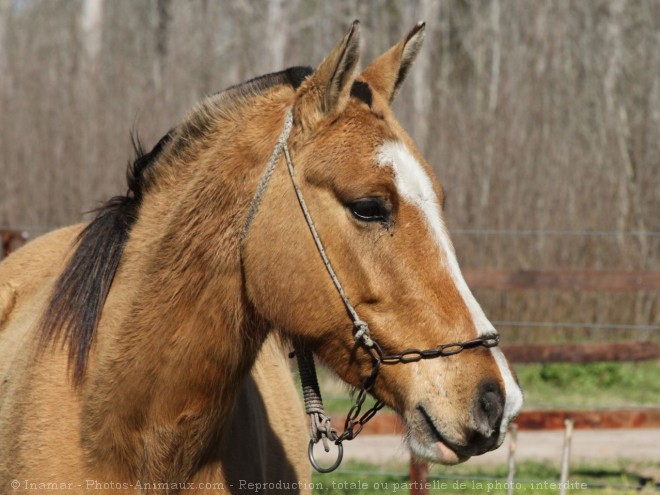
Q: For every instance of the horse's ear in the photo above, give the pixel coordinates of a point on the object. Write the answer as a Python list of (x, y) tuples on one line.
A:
[(327, 91), (387, 72)]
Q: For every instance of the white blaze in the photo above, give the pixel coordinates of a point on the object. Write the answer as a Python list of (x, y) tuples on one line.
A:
[(415, 186)]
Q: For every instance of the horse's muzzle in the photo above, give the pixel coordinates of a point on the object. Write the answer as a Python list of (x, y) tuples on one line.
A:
[(481, 435)]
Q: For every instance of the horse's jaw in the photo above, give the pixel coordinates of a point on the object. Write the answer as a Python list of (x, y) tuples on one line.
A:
[(437, 452), (426, 442), (429, 438)]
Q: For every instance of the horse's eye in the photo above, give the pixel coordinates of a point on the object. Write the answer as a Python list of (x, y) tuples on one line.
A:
[(370, 210)]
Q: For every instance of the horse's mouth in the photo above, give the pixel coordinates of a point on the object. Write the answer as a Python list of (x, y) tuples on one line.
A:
[(427, 442)]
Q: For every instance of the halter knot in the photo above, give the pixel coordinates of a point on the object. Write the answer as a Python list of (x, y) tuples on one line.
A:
[(362, 335)]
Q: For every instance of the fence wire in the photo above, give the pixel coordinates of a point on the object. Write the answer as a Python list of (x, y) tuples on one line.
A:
[(595, 326), (557, 233)]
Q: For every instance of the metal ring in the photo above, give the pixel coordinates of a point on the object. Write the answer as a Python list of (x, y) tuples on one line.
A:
[(312, 460)]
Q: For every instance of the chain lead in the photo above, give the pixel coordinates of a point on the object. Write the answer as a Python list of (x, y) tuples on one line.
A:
[(353, 426)]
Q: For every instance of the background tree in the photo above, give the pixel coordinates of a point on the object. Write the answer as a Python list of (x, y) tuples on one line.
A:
[(536, 115)]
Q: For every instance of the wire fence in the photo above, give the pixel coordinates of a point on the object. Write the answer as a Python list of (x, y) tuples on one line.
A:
[(593, 326), (557, 233), (40, 229)]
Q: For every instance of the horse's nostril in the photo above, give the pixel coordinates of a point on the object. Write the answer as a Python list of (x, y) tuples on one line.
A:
[(489, 409), (491, 405)]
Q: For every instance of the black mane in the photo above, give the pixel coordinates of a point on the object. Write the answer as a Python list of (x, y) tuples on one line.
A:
[(75, 305), (77, 300)]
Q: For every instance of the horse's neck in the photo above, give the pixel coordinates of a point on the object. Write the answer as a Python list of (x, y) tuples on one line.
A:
[(177, 335)]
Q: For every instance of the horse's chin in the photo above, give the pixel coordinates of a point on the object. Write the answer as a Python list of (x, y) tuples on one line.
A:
[(428, 443), (434, 451)]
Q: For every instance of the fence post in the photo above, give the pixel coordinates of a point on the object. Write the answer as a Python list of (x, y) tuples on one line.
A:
[(566, 454), (419, 477), (513, 437)]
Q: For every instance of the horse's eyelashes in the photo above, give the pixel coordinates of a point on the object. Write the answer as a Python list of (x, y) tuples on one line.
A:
[(370, 210)]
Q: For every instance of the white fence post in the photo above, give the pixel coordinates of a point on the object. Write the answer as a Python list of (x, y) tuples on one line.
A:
[(513, 438), (566, 454)]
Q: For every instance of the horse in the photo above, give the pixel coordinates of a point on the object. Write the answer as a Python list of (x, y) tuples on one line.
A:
[(145, 351)]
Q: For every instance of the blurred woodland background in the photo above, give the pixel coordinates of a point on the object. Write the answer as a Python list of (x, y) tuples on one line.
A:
[(538, 116)]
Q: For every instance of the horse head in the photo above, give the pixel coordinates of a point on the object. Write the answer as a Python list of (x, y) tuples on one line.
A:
[(378, 210)]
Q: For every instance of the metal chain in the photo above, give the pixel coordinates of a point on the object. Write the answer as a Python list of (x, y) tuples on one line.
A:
[(353, 426), (413, 355), (354, 421)]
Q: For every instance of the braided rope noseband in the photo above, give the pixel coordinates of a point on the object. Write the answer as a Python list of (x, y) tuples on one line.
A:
[(320, 428)]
